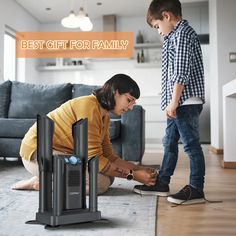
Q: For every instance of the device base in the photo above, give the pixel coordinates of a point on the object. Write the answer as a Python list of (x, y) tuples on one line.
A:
[(68, 217)]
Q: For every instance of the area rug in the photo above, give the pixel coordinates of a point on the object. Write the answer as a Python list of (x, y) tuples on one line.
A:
[(127, 213)]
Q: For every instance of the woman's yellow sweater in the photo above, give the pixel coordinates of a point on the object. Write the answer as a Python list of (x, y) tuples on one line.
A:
[(64, 117)]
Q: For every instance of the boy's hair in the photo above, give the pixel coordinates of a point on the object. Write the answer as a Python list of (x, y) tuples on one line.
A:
[(119, 82), (158, 6)]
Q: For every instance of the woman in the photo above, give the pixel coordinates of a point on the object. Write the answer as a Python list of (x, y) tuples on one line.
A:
[(117, 95)]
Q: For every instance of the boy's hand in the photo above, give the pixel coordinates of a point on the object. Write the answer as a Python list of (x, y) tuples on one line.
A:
[(171, 110)]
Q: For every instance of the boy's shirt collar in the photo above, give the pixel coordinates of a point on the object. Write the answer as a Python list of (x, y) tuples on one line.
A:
[(179, 23)]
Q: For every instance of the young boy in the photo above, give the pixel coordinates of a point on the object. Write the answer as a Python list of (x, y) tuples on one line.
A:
[(182, 99)]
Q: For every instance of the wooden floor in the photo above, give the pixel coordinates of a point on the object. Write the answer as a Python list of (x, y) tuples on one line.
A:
[(200, 219)]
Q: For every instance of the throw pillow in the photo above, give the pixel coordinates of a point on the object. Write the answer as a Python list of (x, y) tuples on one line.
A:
[(83, 89), (27, 100)]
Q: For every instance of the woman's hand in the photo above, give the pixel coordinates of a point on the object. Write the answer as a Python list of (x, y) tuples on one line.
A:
[(146, 168), (146, 176)]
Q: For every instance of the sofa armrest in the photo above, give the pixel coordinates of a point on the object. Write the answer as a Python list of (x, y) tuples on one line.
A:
[(133, 134)]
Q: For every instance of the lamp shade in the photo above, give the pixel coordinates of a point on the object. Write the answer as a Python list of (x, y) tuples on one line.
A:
[(81, 14), (71, 21), (86, 24)]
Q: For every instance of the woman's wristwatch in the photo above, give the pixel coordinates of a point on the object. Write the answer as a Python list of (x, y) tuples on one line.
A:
[(130, 175)]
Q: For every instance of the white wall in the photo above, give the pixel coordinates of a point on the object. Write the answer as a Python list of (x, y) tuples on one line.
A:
[(149, 78), (205, 115), (197, 15), (100, 70), (16, 17), (124, 24), (222, 20)]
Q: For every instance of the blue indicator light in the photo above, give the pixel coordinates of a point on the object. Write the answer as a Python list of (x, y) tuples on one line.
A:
[(74, 160)]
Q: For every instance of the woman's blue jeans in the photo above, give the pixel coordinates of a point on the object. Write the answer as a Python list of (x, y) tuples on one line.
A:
[(185, 127)]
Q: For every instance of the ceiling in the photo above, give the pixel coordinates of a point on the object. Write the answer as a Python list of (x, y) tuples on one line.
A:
[(61, 8)]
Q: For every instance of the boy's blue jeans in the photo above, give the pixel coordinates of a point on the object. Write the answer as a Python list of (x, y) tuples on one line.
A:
[(186, 127)]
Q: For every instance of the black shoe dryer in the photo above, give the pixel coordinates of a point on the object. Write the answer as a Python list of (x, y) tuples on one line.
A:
[(62, 178)]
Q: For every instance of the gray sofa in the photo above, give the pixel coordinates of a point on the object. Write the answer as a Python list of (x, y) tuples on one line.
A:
[(21, 102)]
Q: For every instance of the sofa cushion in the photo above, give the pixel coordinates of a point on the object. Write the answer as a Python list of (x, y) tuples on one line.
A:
[(9, 147), (114, 129), (83, 90), (14, 128), (27, 100), (5, 92)]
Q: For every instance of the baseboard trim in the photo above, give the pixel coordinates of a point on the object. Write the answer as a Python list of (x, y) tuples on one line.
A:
[(227, 165), (216, 150)]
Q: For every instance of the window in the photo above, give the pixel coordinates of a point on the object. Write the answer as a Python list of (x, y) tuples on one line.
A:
[(9, 57)]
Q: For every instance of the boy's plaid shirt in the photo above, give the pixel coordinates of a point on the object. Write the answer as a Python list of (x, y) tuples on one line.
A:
[(182, 63)]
